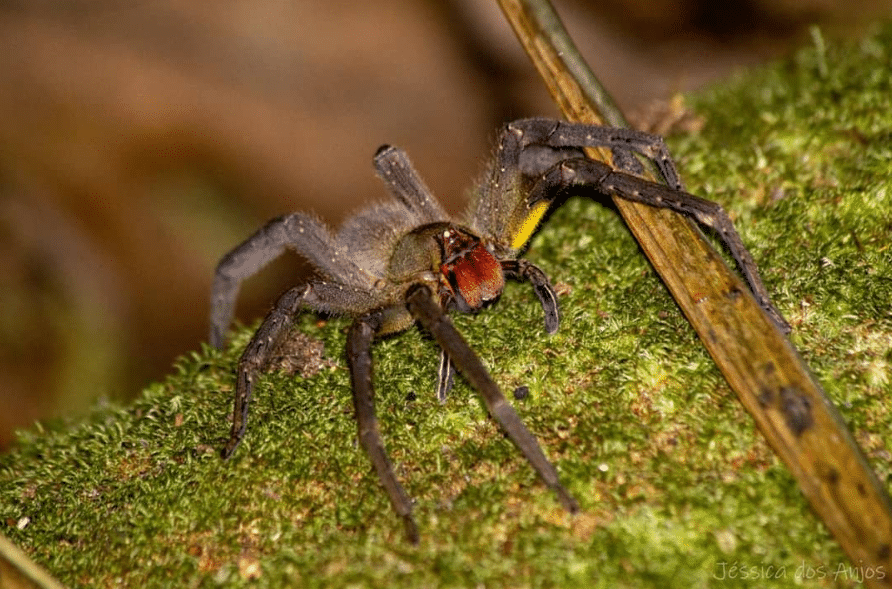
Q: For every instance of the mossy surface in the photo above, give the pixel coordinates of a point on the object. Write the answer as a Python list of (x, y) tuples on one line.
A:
[(677, 488)]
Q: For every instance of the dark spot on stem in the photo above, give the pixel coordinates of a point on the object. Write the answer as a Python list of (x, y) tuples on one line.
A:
[(766, 398), (796, 408)]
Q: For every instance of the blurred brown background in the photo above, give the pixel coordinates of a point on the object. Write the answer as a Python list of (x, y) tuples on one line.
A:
[(139, 141)]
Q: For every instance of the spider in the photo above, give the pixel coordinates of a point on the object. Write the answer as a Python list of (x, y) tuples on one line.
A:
[(405, 260)]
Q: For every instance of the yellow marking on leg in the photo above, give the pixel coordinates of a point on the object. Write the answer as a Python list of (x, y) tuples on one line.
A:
[(529, 224)]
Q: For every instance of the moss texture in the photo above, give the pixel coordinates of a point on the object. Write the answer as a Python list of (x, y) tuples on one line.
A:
[(676, 486)]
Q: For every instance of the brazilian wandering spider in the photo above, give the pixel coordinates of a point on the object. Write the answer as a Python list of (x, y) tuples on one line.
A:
[(405, 260)]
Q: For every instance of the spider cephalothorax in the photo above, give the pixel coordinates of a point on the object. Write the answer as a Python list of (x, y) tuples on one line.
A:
[(405, 260)]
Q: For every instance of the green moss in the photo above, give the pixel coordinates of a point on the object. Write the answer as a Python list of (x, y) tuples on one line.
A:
[(677, 488)]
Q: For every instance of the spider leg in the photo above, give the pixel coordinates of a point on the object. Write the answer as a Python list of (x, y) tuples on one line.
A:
[(583, 171), (321, 296), (528, 148), (395, 169), (521, 134), (256, 356), (359, 356), (425, 309), (298, 231)]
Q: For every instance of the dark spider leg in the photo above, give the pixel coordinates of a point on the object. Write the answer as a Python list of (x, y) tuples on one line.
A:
[(425, 309), (528, 148), (605, 179), (359, 356), (298, 231), (405, 184), (257, 355), (521, 270), (322, 296), (562, 134)]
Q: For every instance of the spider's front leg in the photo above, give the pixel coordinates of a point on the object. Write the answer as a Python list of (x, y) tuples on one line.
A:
[(603, 178), (431, 316), (538, 149), (329, 297), (520, 135), (359, 356)]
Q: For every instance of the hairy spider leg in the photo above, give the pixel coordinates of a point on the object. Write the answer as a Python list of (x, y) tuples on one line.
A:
[(527, 149), (608, 181), (405, 183), (553, 172), (431, 316), (300, 232), (562, 134), (319, 296), (522, 270), (256, 356), (359, 357)]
